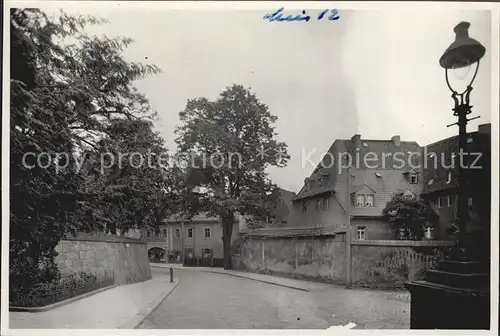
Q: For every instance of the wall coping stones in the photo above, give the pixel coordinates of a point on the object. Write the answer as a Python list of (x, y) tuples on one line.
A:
[(291, 232), (119, 241), (408, 243)]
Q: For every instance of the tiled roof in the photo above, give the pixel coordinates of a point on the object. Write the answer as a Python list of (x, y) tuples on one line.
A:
[(202, 217), (199, 217), (377, 147), (287, 197)]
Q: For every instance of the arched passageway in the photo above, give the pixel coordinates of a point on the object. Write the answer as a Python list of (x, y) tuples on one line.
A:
[(156, 254)]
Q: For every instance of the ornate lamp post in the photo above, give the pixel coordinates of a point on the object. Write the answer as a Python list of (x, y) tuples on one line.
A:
[(464, 52), (455, 295)]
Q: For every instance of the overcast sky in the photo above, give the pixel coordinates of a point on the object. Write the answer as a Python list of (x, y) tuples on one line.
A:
[(375, 73)]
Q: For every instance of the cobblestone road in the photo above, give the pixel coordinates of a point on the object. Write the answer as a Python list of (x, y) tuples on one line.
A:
[(215, 301)]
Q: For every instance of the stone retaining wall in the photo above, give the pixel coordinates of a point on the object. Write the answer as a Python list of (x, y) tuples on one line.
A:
[(378, 263), (319, 259), (124, 258)]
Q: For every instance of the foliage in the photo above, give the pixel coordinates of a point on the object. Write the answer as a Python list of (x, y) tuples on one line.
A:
[(72, 94), (409, 213), (59, 289), (230, 142), (132, 190)]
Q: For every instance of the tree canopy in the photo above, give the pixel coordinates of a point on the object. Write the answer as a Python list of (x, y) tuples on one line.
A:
[(73, 103), (409, 213), (228, 144)]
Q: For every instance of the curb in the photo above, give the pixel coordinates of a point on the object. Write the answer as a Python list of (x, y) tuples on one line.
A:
[(61, 303), (137, 320), (238, 276), (258, 280)]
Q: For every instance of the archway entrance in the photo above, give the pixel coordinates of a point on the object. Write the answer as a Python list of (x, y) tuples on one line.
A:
[(156, 254)]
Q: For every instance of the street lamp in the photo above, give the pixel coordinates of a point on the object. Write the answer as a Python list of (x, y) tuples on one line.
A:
[(464, 52), (455, 295)]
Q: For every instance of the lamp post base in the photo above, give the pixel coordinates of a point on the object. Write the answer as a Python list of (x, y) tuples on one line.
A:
[(456, 295)]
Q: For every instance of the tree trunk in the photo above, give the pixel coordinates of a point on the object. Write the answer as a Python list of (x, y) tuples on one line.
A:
[(227, 231)]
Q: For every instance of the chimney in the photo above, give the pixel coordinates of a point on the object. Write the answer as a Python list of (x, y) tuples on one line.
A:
[(396, 140), (484, 129), (356, 139)]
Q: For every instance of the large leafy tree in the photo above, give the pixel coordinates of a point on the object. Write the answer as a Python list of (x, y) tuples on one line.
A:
[(228, 144), (409, 213), (130, 176), (70, 94)]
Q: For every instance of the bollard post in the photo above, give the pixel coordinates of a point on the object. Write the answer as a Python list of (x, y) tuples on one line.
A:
[(171, 274)]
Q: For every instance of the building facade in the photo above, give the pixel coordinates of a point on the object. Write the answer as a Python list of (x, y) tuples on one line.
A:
[(440, 179), (358, 177), (201, 236)]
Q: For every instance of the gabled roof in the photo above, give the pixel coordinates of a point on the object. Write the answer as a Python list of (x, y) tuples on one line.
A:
[(287, 196), (379, 147), (356, 188)]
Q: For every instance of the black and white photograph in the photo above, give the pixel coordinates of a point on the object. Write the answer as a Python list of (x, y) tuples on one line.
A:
[(250, 167)]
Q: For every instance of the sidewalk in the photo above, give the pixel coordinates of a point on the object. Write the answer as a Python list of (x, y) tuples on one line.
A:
[(122, 307), (270, 279)]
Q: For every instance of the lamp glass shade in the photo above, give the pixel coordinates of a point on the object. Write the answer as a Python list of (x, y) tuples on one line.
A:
[(464, 51)]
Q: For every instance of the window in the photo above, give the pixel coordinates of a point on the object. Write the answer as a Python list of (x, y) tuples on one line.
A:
[(360, 200), (440, 202), (320, 182), (361, 233), (451, 200), (304, 206), (208, 233), (177, 233), (326, 203), (413, 178), (207, 253), (190, 233), (148, 233), (157, 234), (449, 178), (165, 234), (429, 232), (369, 201), (318, 205)]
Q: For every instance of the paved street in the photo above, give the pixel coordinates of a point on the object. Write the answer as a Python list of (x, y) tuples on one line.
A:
[(218, 301)]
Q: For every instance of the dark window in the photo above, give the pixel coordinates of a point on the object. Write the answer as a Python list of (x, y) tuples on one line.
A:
[(190, 233), (413, 178), (451, 201), (320, 182), (207, 253), (165, 234), (208, 233), (304, 206), (326, 203), (318, 205), (177, 233)]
